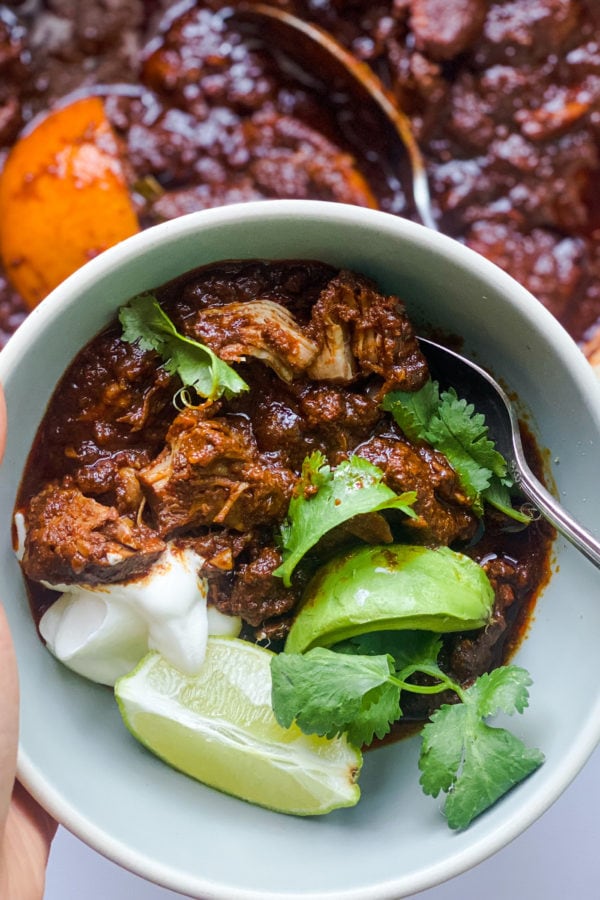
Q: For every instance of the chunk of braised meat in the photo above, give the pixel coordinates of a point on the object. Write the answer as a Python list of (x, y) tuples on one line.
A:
[(444, 28), (445, 514), (110, 410), (239, 568), (279, 427), (526, 31), (112, 480), (256, 594), (128, 495), (289, 421), (553, 267), (481, 651), (97, 25), (360, 329), (258, 328), (72, 538), (215, 191), (210, 472), (238, 137), (295, 284), (475, 654), (338, 418), (219, 549), (190, 61), (289, 158)]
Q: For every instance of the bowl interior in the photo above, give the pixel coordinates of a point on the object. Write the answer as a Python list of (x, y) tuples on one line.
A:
[(75, 754)]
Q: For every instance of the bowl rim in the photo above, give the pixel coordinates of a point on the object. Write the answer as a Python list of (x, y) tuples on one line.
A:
[(65, 296)]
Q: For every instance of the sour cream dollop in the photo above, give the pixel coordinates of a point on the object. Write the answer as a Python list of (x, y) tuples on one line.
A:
[(102, 631)]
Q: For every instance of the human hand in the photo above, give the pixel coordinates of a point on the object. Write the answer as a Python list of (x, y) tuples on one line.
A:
[(26, 830)]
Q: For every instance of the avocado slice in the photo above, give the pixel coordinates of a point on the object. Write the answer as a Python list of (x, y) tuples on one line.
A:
[(396, 586)]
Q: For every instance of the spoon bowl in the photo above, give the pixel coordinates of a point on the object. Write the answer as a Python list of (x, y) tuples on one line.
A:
[(475, 384), (317, 51)]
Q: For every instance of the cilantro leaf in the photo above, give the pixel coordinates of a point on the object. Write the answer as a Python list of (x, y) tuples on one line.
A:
[(414, 410), (473, 763), (496, 762), (461, 435), (324, 497), (327, 693), (145, 323), (411, 650), (379, 710), (502, 690), (442, 747), (456, 429), (498, 495)]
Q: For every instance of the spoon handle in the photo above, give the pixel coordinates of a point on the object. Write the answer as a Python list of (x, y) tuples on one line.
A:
[(557, 515)]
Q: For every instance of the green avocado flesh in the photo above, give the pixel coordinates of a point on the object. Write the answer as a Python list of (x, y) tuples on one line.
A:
[(391, 587)]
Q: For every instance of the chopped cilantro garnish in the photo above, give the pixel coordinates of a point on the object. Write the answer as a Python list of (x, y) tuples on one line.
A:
[(324, 497), (146, 324), (456, 429), (357, 689)]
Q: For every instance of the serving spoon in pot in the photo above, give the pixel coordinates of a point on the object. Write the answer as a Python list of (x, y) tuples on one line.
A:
[(317, 51), (477, 386)]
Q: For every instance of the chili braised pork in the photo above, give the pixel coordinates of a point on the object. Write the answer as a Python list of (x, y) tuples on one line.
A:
[(118, 470)]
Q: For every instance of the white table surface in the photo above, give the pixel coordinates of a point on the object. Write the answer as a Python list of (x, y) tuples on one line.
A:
[(558, 858)]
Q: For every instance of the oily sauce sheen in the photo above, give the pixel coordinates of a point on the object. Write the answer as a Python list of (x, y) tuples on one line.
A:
[(116, 470), (503, 97)]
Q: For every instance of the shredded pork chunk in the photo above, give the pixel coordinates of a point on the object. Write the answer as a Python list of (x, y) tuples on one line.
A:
[(353, 330), (211, 472)]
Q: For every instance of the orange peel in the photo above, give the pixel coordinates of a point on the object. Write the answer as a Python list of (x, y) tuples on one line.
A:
[(63, 198)]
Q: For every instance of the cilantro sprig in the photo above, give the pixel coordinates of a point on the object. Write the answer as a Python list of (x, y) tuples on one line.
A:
[(453, 426), (473, 763), (325, 497), (357, 689), (146, 324)]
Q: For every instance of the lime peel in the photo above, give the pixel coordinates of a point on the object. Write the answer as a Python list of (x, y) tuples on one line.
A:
[(218, 727)]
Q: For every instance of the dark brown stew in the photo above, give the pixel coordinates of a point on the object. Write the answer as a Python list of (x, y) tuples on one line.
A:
[(117, 470), (503, 96)]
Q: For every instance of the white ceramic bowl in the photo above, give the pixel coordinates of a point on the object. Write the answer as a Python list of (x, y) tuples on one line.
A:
[(75, 755)]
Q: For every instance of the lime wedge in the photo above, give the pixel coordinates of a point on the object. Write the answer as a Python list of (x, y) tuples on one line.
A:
[(218, 726)]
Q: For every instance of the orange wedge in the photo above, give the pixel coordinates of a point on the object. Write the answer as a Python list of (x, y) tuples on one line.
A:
[(63, 198)]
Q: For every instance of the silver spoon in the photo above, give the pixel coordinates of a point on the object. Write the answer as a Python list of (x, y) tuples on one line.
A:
[(478, 387)]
